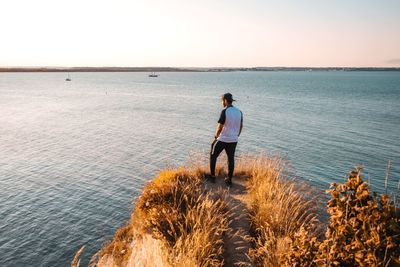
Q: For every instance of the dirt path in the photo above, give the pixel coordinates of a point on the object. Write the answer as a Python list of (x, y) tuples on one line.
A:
[(236, 245)]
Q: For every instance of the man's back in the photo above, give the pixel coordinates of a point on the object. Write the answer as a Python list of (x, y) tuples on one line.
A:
[(231, 118)]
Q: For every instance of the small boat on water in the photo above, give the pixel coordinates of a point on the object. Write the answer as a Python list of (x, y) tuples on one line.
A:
[(153, 75), (68, 79)]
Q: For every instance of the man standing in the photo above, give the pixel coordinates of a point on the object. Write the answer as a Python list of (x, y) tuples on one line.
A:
[(226, 136)]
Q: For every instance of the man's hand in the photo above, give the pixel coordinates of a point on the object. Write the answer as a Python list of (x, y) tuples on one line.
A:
[(219, 130)]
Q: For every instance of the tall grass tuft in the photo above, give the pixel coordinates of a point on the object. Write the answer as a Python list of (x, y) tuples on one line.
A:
[(280, 208), (173, 224)]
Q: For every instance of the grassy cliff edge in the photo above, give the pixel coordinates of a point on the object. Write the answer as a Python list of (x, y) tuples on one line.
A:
[(180, 219)]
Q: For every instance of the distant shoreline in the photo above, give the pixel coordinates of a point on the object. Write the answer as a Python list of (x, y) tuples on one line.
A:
[(169, 69)]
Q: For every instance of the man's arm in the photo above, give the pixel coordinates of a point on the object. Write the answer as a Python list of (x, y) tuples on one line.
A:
[(241, 125), (221, 123), (218, 130)]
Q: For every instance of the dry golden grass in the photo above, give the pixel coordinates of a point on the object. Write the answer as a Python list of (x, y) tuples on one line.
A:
[(144, 251), (279, 207), (173, 224)]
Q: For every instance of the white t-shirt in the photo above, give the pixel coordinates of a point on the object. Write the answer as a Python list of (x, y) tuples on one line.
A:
[(231, 117)]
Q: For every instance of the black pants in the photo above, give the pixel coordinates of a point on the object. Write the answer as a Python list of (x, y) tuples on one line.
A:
[(216, 149)]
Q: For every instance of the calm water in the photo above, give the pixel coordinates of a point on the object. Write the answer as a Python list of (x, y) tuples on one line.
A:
[(73, 155)]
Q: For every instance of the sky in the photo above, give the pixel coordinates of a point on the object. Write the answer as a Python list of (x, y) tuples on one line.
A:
[(203, 33)]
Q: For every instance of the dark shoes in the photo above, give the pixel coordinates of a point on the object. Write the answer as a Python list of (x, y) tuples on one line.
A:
[(210, 178), (228, 181)]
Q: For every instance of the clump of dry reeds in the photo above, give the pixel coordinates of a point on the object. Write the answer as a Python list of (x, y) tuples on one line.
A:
[(173, 224), (280, 208)]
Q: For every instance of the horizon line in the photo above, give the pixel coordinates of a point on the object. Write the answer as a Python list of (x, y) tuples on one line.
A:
[(2, 68)]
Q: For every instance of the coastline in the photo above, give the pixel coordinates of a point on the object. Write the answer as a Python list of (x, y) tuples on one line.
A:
[(185, 69)]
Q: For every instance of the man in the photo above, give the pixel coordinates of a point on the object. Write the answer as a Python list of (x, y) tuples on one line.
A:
[(229, 127)]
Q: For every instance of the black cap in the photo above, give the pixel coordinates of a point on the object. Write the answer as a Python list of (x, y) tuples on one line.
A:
[(228, 97)]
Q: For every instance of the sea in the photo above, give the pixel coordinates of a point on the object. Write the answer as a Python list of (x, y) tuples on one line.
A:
[(74, 155)]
